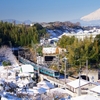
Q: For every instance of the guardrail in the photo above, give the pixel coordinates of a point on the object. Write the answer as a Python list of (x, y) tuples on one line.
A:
[(54, 80)]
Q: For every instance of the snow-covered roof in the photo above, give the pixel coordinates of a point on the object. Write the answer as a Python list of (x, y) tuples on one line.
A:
[(85, 97), (35, 90), (53, 39), (75, 83), (9, 96), (39, 89), (27, 68), (60, 90), (49, 50), (24, 74), (96, 89), (45, 84)]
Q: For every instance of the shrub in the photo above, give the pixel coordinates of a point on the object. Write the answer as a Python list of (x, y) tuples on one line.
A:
[(6, 63)]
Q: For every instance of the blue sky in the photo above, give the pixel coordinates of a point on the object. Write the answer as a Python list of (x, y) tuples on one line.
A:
[(46, 10)]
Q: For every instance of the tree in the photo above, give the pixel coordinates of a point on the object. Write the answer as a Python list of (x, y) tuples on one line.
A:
[(6, 63), (20, 35)]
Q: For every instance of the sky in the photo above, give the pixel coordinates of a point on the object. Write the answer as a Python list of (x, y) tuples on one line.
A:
[(46, 10)]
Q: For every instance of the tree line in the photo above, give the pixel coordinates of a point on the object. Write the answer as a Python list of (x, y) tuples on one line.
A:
[(78, 51), (20, 35)]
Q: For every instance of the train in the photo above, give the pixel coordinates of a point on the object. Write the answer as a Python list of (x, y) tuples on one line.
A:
[(40, 69)]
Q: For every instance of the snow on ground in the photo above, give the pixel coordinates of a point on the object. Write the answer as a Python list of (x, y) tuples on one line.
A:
[(7, 54), (12, 89)]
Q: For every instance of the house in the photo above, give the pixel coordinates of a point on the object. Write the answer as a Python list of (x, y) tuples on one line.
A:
[(27, 68)]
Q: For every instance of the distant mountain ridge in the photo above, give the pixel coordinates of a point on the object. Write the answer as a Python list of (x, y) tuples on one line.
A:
[(27, 22), (44, 24)]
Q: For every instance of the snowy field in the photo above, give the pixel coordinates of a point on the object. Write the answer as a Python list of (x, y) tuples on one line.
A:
[(7, 54)]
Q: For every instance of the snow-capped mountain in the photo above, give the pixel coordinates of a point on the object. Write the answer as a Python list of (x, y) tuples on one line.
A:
[(92, 16)]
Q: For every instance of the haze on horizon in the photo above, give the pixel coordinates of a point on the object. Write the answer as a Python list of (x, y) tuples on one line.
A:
[(46, 10)]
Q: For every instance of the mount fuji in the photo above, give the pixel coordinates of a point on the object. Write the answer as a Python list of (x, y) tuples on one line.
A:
[(92, 18)]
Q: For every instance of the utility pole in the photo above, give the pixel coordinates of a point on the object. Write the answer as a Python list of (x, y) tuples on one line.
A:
[(38, 59), (87, 69), (18, 55), (65, 71), (11, 46), (79, 89), (65, 59), (58, 61)]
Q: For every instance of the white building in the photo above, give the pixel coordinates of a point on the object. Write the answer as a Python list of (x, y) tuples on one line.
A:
[(53, 50), (81, 35), (49, 50), (27, 68), (40, 60)]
